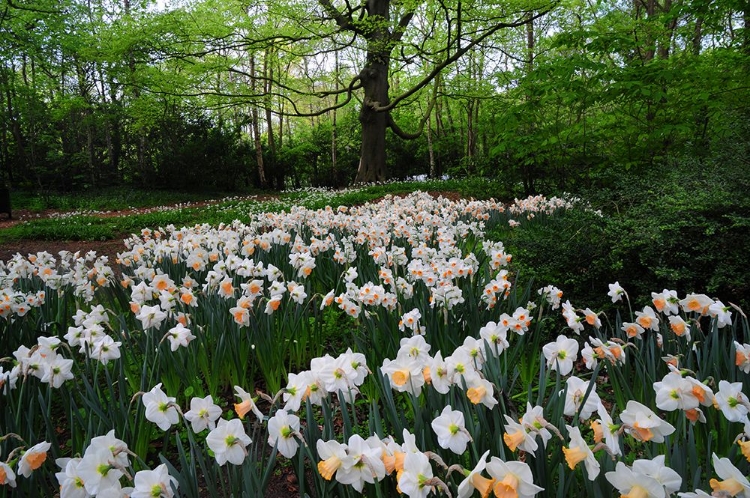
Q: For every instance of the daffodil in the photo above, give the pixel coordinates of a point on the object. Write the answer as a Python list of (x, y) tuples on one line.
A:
[(643, 424), (512, 479), (561, 354), (475, 481), (578, 451), (228, 441), (246, 404), (634, 484), (576, 399), (732, 483), (203, 414), (415, 480), (283, 430), (674, 392), (154, 483), (450, 430), (33, 458), (160, 408), (732, 402), (362, 465), (616, 292)]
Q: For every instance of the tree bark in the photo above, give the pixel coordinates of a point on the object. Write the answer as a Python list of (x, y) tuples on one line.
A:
[(374, 78), (256, 130), (431, 149), (372, 162)]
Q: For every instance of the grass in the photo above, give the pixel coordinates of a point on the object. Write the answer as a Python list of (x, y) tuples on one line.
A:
[(85, 222), (108, 199)]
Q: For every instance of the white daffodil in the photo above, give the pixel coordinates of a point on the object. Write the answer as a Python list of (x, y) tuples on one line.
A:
[(451, 430), (732, 402), (643, 424), (282, 433), (203, 414), (160, 409), (512, 479), (578, 451), (228, 442), (561, 354), (157, 482)]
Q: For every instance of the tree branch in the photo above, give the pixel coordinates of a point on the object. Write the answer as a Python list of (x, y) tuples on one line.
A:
[(343, 21), (412, 136), (453, 58)]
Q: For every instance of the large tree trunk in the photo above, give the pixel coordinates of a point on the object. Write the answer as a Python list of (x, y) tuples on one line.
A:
[(372, 162), (374, 77)]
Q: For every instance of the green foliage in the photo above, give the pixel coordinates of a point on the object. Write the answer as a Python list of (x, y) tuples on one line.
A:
[(682, 227), (107, 199)]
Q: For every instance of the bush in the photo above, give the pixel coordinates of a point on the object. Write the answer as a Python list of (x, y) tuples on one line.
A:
[(683, 227)]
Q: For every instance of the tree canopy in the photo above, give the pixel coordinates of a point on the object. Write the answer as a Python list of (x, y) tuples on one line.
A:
[(231, 94)]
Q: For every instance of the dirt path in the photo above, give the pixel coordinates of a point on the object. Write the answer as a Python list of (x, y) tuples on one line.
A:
[(108, 248)]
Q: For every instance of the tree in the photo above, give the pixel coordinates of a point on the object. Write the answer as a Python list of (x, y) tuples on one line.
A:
[(375, 42), (384, 27)]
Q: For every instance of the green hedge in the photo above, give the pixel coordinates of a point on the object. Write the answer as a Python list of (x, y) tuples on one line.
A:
[(684, 227)]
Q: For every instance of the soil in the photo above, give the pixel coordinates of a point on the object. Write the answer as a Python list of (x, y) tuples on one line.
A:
[(108, 248)]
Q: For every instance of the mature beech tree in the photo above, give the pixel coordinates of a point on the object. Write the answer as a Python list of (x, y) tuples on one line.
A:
[(376, 40), (432, 34)]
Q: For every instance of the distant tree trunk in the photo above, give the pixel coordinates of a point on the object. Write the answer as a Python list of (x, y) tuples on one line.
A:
[(431, 149), (15, 126), (529, 166), (141, 139), (278, 175), (256, 129), (334, 131)]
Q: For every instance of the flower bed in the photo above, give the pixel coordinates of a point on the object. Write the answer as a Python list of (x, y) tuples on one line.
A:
[(385, 346)]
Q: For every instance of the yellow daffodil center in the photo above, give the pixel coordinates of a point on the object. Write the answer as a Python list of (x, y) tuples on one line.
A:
[(598, 431), (692, 415), (476, 394), (400, 377), (643, 433), (427, 375), (513, 440), (694, 305), (507, 488), (573, 456), (482, 484), (745, 447), (636, 492), (243, 408), (730, 486), (36, 460), (328, 467)]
